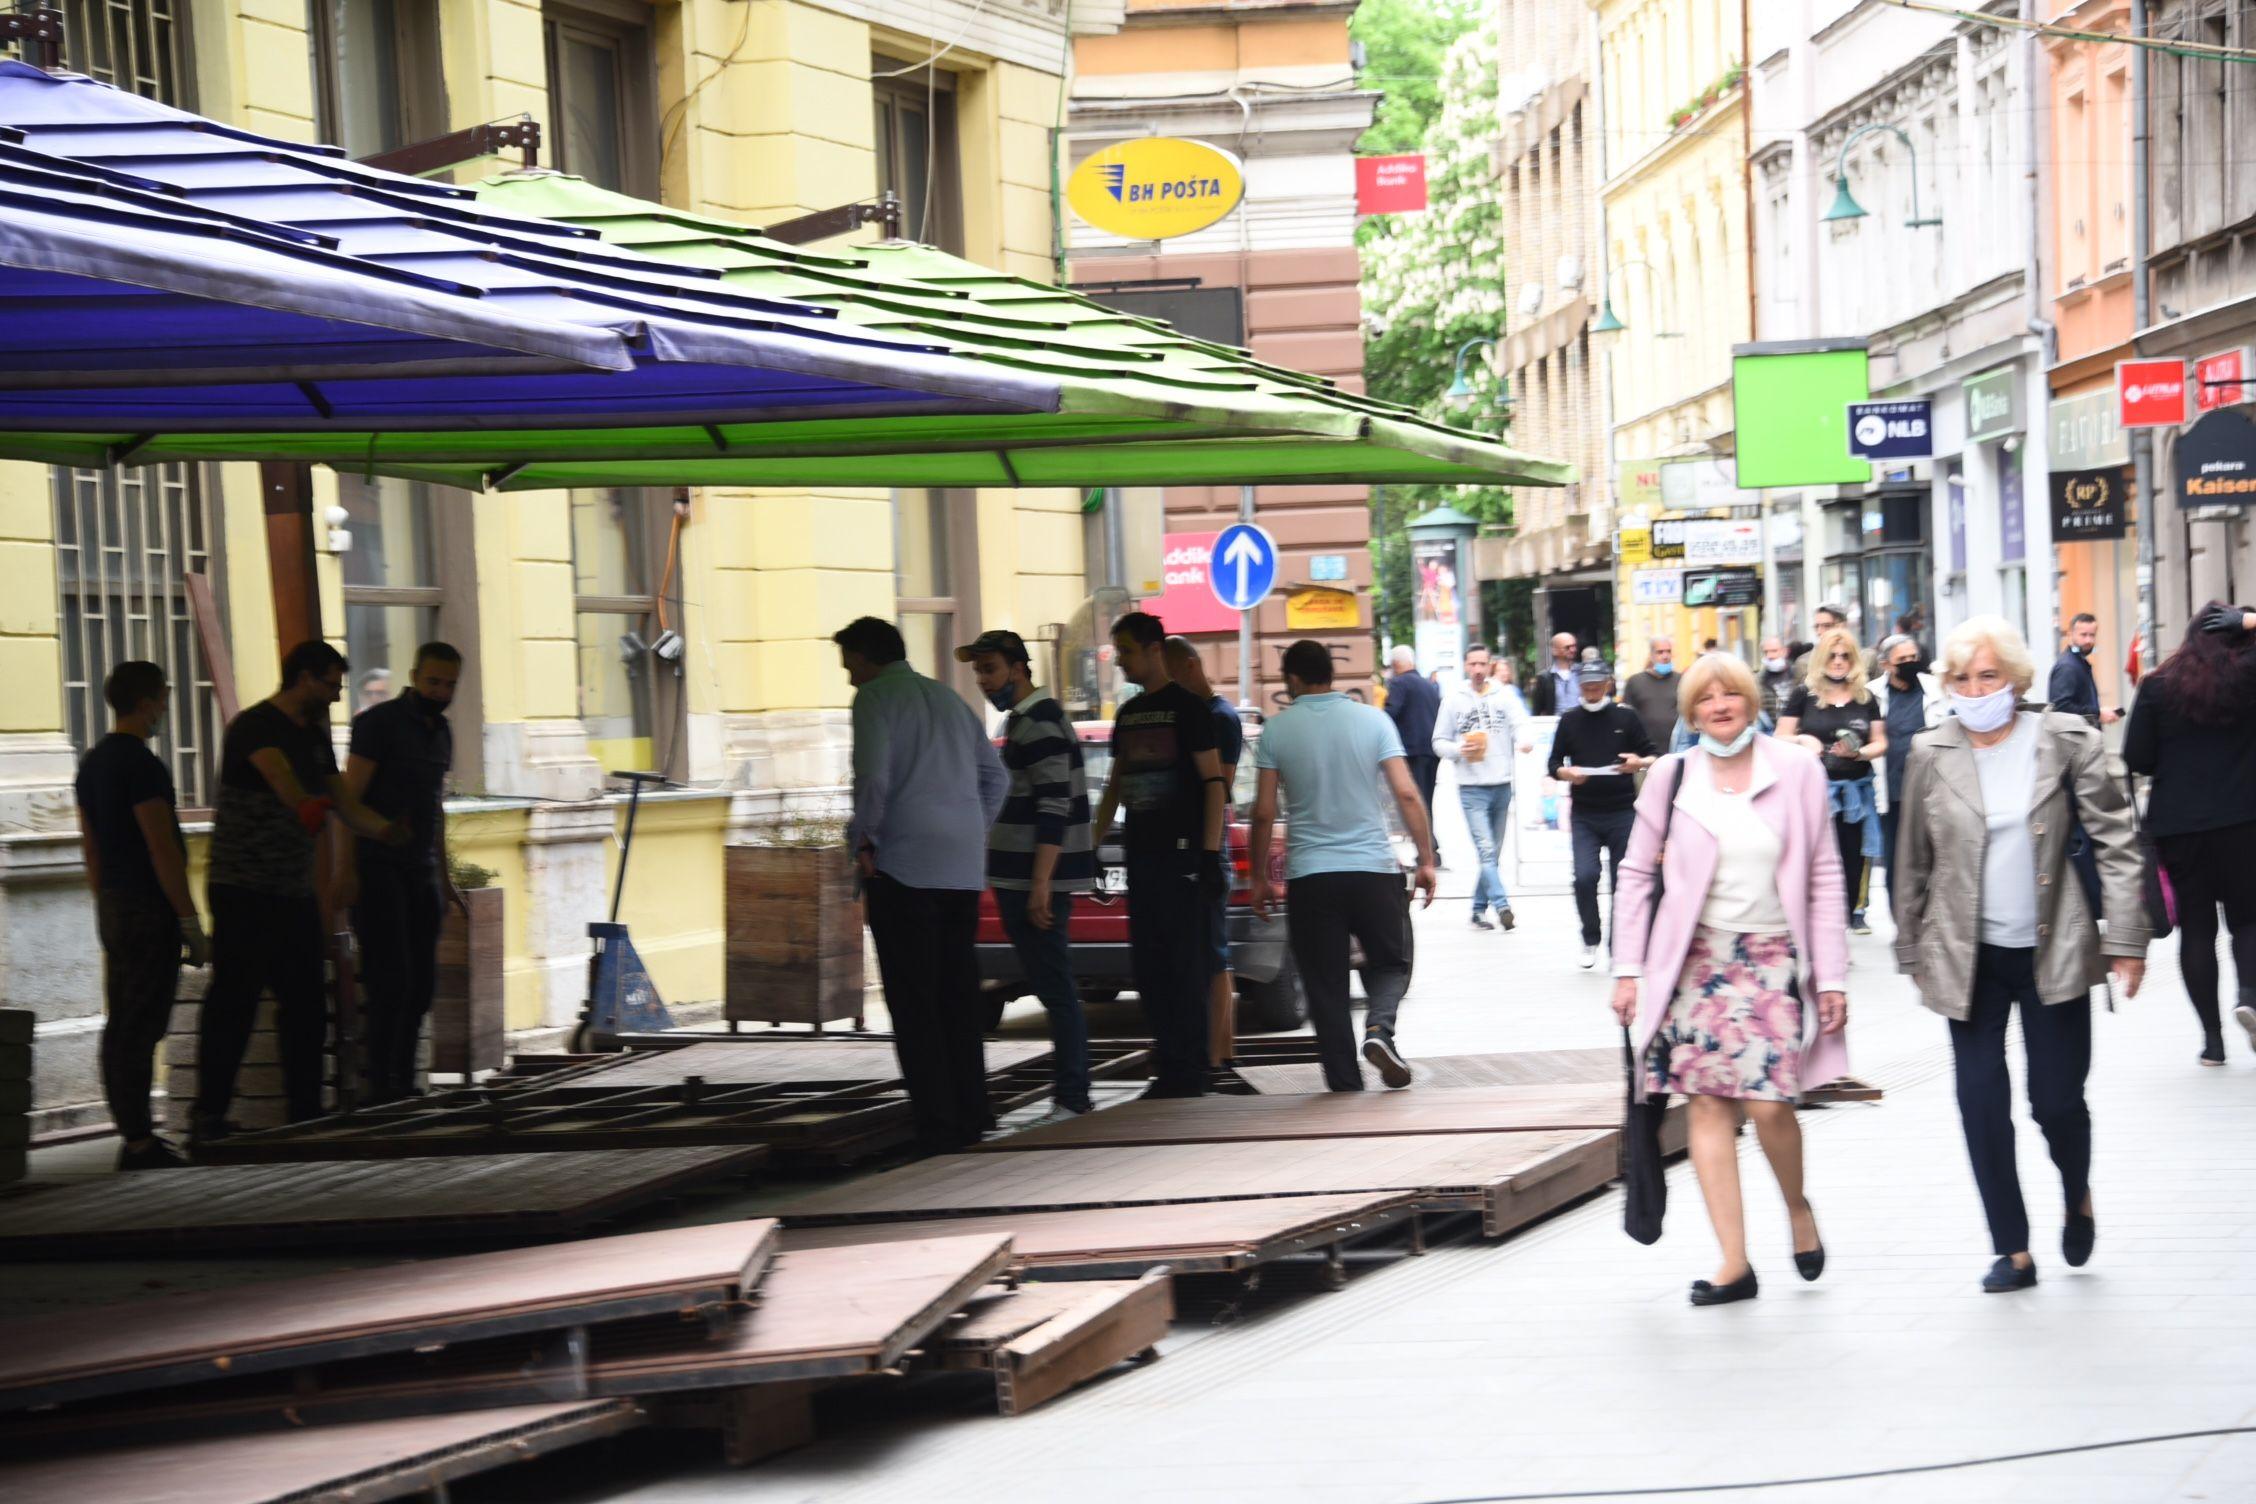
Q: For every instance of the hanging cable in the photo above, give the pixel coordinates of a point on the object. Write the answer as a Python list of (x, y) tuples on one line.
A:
[(2203, 51)]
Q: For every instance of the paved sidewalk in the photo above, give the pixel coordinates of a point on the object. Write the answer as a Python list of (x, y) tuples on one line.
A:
[(1566, 1360)]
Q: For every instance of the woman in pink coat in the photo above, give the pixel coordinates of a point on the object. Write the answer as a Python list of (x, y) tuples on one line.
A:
[(1711, 972)]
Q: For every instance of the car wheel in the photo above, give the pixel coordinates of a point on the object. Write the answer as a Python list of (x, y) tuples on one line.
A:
[(1275, 1006)]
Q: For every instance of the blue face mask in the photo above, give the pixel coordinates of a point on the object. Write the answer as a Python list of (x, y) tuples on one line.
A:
[(1004, 699), (1664, 669), (1732, 748)]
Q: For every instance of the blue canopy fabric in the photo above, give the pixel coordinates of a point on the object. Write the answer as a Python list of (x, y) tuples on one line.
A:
[(113, 170)]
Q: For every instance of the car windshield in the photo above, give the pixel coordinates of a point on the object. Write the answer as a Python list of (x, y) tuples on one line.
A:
[(1096, 758)]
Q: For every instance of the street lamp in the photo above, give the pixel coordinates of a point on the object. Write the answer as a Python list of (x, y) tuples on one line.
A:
[(1610, 322), (1461, 389), (1845, 207)]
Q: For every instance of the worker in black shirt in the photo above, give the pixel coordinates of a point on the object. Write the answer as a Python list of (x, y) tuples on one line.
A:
[(1186, 668), (278, 786), (1596, 749), (1167, 773), (2072, 687), (402, 751), (137, 866)]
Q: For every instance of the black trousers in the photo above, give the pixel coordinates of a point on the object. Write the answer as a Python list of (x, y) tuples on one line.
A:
[(263, 942), (397, 922), (1425, 767), (1848, 837), (926, 956), (1167, 950), (1593, 831), (1323, 910), (2057, 1039), (140, 976), (2209, 868)]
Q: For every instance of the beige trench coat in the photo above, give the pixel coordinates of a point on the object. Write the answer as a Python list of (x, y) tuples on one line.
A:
[(1943, 832)]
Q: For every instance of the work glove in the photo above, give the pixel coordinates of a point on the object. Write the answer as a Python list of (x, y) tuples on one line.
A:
[(1212, 882), (313, 810), (2220, 619), (195, 945)]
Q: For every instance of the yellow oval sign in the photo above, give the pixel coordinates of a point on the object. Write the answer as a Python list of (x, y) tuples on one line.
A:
[(1156, 187)]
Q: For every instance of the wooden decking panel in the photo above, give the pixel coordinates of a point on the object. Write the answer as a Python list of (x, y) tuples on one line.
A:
[(386, 1459), (1040, 1340), (348, 1203), (1513, 1068), (1462, 1170), (1228, 1119), (208, 1334), (1190, 1237), (758, 1062)]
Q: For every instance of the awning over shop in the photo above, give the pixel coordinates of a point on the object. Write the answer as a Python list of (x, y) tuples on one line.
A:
[(108, 279), (698, 350)]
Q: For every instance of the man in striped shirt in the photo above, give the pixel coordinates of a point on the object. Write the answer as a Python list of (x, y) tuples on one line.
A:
[(1039, 852)]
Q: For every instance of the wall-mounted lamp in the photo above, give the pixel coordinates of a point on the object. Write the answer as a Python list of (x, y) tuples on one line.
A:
[(1461, 390), (1845, 207), (1610, 322)]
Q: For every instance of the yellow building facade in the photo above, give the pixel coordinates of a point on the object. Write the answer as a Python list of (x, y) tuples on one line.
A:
[(1676, 276), (751, 110)]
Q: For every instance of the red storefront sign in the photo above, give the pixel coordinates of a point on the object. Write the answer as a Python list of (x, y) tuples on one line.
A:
[(2150, 393), (2223, 379), (1390, 185), (1188, 605)]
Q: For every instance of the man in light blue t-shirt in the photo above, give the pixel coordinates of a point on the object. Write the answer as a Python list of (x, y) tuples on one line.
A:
[(1337, 761)]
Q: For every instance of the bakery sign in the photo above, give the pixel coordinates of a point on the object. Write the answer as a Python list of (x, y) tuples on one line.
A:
[(2215, 461), (2089, 504)]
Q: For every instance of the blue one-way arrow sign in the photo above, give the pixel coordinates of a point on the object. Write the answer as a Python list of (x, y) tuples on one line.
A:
[(1244, 566)]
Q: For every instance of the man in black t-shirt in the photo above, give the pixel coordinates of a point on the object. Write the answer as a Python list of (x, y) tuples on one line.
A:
[(278, 786), (137, 866), (1185, 668), (402, 751), (1167, 774), (1596, 750)]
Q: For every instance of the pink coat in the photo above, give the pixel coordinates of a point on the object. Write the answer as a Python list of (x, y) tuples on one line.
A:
[(1790, 793)]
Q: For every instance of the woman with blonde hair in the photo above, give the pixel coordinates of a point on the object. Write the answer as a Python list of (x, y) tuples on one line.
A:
[(1989, 917), (1727, 916), (1835, 716)]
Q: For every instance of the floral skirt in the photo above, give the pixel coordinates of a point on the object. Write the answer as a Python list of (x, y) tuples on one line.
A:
[(1734, 1028)]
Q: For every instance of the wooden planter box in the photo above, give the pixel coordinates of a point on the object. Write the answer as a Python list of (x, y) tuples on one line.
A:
[(794, 936), (466, 1005)]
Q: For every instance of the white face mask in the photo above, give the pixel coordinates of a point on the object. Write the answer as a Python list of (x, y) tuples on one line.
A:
[(1732, 748), (1984, 712), (1775, 665)]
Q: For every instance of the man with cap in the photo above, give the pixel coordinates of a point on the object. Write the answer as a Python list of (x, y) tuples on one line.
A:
[(1598, 747), (1039, 853)]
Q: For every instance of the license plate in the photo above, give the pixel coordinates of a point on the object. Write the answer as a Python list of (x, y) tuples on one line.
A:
[(1113, 880)]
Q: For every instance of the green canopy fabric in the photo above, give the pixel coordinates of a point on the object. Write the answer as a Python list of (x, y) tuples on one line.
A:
[(1141, 403)]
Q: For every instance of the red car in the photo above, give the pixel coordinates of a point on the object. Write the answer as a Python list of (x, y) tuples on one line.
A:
[(1269, 991)]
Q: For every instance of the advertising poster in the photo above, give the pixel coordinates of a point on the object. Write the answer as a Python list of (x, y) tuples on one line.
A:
[(1542, 854), (1437, 605)]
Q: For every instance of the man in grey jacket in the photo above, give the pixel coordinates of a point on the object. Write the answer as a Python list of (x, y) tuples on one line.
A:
[(927, 784), (1479, 730)]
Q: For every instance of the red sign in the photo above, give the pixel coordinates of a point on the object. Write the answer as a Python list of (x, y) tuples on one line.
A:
[(1390, 185), (1188, 604), (2150, 393), (2223, 379)]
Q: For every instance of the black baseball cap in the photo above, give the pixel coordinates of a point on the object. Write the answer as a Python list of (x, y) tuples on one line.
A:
[(1010, 645), (1595, 673)]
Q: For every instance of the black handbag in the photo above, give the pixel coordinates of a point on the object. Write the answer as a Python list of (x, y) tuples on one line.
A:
[(2154, 880), (1644, 1183)]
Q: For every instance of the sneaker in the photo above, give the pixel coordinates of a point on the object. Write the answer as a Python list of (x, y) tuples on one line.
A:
[(1480, 921), (1504, 918), (2213, 1049), (154, 1155), (1857, 926), (1589, 957), (1380, 1051), (2245, 1016), (1058, 1114)]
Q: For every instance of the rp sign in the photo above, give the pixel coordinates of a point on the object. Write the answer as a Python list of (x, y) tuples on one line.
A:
[(2150, 393)]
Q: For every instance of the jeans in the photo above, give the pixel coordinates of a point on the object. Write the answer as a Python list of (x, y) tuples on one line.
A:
[(927, 956), (140, 973), (1322, 910), (1047, 956), (397, 919), (263, 942), (2057, 1038), (1168, 949), (1596, 830), (1488, 810)]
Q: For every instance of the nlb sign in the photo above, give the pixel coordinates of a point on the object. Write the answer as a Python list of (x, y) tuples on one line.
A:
[(1156, 187), (1892, 430), (2150, 393)]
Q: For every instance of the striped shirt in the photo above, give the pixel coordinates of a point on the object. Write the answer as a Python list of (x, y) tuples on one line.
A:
[(1048, 801)]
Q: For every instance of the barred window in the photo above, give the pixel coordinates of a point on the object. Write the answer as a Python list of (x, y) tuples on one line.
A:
[(124, 541), (138, 45)]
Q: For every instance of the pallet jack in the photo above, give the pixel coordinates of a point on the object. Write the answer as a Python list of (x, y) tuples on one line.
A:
[(621, 997)]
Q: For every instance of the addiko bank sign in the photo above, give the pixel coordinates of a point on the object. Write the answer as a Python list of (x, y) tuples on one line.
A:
[(1156, 187)]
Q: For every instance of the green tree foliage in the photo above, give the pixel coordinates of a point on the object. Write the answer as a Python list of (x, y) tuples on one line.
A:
[(1404, 42), (1432, 282)]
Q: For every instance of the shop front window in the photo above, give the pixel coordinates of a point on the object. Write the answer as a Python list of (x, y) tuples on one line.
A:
[(627, 691), (935, 579), (392, 593)]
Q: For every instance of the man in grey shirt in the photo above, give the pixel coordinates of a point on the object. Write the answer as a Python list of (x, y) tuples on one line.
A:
[(927, 784)]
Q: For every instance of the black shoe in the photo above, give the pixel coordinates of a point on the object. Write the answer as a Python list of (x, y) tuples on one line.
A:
[(1380, 1051), (2076, 1239), (1857, 924), (154, 1155), (2006, 1275), (1504, 918), (2213, 1049), (205, 1130), (1742, 1288), (1480, 921), (1810, 1265)]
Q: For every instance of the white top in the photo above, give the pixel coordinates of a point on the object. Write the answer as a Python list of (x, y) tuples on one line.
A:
[(1743, 895), (2008, 773), (1500, 714)]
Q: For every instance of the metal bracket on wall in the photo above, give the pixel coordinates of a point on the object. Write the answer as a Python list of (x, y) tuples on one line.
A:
[(466, 145), (885, 209)]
